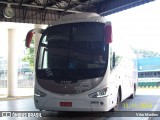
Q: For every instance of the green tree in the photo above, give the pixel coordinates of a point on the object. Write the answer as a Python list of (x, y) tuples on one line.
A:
[(29, 57), (145, 53)]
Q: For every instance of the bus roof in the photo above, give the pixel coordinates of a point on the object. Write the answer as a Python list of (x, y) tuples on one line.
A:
[(79, 17)]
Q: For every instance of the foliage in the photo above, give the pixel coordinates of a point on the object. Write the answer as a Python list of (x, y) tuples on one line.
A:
[(29, 57), (145, 53)]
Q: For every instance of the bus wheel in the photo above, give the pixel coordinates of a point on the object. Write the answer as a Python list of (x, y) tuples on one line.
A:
[(133, 95), (118, 101)]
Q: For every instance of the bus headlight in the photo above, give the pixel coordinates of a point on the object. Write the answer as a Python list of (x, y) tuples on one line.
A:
[(39, 93), (98, 94)]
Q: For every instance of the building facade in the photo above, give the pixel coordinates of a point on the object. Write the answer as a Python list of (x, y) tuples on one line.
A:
[(149, 71)]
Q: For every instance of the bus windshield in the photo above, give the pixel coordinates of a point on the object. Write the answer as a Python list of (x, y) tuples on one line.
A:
[(72, 51)]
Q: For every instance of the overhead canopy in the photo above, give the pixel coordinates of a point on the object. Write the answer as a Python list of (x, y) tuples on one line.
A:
[(46, 11)]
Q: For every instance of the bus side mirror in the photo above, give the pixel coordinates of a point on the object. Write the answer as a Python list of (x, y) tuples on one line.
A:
[(30, 36), (108, 33)]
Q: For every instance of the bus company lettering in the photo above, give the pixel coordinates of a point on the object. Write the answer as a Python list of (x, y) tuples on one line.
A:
[(94, 102), (83, 86), (66, 82)]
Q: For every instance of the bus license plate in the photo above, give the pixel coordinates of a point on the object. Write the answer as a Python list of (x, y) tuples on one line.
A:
[(66, 104)]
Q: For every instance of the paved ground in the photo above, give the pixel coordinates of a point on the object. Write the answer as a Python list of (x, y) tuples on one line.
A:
[(142, 102)]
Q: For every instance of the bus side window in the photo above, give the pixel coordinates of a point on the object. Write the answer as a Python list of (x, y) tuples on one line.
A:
[(112, 59)]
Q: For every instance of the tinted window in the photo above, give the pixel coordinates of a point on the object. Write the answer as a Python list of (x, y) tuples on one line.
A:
[(73, 51)]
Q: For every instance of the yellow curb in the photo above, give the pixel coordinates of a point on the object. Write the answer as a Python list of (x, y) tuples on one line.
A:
[(148, 88)]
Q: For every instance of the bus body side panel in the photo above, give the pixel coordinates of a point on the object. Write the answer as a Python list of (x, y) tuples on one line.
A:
[(123, 73)]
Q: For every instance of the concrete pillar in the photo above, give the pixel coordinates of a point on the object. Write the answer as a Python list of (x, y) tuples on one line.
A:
[(4, 55), (12, 62), (37, 39), (36, 43)]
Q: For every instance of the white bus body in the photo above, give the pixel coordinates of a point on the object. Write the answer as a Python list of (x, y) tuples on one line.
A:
[(68, 75)]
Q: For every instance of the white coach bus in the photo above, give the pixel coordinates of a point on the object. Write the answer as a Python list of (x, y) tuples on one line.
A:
[(79, 68)]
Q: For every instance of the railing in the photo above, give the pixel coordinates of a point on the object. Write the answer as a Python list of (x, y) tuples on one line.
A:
[(25, 84), (149, 82), (148, 79), (21, 84), (3, 83)]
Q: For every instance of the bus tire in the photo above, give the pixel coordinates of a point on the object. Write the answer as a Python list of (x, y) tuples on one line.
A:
[(133, 95), (118, 102)]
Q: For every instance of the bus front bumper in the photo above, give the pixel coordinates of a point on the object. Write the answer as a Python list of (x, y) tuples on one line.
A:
[(100, 104)]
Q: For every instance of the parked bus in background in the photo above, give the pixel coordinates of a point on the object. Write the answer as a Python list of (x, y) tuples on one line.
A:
[(79, 68)]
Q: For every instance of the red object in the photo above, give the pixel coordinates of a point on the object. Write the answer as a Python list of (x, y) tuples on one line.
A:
[(66, 104), (29, 38), (108, 33)]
